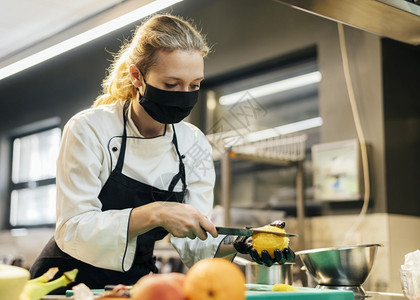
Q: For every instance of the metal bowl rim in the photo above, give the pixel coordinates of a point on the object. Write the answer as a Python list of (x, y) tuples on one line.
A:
[(337, 248), (253, 263)]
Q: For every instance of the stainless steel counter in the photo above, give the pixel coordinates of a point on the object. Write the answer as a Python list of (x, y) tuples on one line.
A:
[(385, 296)]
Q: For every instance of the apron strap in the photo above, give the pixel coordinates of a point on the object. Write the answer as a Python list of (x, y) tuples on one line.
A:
[(181, 173), (121, 157)]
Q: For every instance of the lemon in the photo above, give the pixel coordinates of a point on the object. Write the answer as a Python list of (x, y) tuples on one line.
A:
[(283, 287), (268, 241)]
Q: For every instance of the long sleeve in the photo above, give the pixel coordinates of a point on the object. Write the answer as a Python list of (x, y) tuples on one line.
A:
[(83, 230)]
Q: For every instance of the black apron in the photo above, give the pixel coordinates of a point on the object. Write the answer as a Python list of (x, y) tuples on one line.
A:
[(119, 192)]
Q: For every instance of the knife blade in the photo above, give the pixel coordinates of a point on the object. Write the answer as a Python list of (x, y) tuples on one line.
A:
[(249, 232)]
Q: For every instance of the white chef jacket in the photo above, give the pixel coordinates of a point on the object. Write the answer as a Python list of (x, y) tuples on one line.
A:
[(89, 151)]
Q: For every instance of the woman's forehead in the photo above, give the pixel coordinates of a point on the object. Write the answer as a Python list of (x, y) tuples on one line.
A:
[(180, 64)]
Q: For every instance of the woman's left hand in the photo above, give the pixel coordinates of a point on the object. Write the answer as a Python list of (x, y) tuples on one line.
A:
[(180, 220), (184, 220)]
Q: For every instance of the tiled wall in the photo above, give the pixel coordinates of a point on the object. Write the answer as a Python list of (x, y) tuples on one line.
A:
[(404, 238)]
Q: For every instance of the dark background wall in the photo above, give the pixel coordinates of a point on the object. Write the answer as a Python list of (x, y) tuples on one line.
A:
[(243, 33), (401, 77)]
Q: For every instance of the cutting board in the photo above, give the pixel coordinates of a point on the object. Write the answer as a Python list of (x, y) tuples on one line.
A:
[(263, 292), (302, 293)]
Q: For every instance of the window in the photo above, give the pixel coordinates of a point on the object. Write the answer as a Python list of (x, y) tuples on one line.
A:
[(32, 196)]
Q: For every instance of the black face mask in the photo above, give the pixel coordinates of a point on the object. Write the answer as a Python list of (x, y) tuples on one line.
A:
[(167, 107)]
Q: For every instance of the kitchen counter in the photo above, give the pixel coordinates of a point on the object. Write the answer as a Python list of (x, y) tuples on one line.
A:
[(372, 296)]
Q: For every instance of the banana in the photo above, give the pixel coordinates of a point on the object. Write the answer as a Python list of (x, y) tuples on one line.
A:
[(47, 276), (37, 288)]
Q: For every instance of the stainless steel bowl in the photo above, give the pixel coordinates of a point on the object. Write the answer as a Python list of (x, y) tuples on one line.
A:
[(260, 274), (344, 266)]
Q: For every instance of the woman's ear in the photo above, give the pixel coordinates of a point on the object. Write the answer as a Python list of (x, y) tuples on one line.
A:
[(136, 77)]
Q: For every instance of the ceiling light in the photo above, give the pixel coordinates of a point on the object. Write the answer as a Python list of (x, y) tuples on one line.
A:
[(282, 130), (85, 37), (272, 88), (211, 100)]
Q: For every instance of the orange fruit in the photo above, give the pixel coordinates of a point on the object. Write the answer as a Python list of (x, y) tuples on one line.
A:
[(269, 242), (214, 279)]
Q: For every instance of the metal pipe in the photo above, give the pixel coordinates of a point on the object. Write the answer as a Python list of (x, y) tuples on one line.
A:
[(225, 185), (300, 204)]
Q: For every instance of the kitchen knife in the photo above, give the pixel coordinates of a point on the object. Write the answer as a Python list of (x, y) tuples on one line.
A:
[(249, 232)]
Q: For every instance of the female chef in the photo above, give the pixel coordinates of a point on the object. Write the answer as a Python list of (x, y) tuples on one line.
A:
[(129, 171)]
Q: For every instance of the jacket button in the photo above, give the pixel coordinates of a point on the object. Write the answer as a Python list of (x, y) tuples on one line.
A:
[(114, 149)]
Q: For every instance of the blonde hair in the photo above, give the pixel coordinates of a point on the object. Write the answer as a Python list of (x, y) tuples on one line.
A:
[(160, 32)]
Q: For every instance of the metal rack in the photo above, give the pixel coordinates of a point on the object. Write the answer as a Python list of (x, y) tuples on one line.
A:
[(283, 150)]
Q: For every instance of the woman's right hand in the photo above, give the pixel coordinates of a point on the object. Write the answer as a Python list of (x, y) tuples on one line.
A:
[(180, 220)]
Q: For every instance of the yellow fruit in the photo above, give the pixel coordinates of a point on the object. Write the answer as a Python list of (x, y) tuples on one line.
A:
[(214, 279), (38, 288), (47, 276), (269, 242), (283, 287), (12, 281)]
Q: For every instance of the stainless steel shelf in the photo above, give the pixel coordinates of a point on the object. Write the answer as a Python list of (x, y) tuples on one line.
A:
[(285, 150)]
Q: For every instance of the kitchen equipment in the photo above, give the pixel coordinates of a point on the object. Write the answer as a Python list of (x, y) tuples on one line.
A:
[(249, 232), (369, 16), (342, 268), (260, 274)]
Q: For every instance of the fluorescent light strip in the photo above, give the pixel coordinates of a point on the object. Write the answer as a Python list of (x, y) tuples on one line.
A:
[(284, 129), (272, 88), (85, 37)]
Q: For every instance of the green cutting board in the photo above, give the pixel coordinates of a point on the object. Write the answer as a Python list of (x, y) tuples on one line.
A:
[(302, 293)]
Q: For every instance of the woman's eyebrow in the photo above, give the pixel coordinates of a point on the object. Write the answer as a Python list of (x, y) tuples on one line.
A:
[(177, 78)]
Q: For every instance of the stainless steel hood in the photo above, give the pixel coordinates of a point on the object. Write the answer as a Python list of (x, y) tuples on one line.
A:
[(395, 19)]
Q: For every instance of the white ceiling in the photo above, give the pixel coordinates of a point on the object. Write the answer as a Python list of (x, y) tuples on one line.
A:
[(24, 23)]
